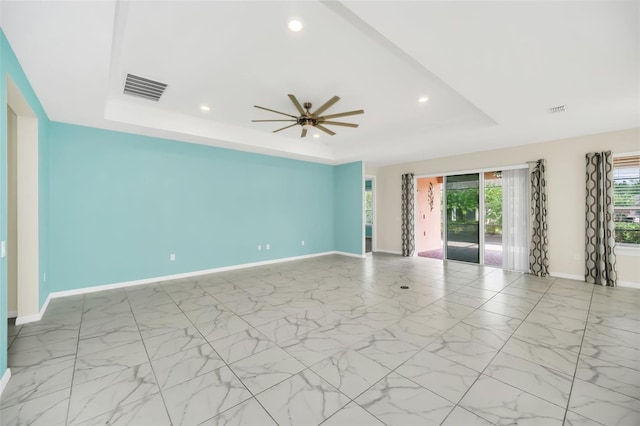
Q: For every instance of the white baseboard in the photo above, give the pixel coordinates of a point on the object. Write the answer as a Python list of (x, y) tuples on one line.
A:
[(5, 380), (12, 314), (567, 276), (143, 281), (344, 253), (24, 319), (399, 253), (86, 290), (628, 284)]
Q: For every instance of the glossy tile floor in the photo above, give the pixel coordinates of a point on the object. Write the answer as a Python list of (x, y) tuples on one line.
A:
[(333, 341)]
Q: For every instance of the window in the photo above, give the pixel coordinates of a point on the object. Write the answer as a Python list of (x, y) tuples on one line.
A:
[(368, 206), (626, 199)]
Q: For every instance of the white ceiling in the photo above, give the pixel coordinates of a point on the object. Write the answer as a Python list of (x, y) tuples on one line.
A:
[(491, 71)]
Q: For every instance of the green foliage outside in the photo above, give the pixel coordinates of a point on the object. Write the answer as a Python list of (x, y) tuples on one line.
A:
[(493, 208), (626, 193), (368, 207), (465, 201), (627, 232)]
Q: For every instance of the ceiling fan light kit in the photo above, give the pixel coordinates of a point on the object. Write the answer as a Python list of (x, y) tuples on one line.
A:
[(308, 119)]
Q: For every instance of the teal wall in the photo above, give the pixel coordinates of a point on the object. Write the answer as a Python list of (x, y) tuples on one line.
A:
[(121, 203), (349, 208), (9, 66), (368, 230), (113, 205)]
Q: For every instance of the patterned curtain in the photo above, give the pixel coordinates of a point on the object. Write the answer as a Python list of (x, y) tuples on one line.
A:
[(600, 259), (538, 254), (408, 214)]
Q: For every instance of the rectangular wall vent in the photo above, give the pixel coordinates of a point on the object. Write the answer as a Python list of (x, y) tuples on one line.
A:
[(143, 87), (557, 109)]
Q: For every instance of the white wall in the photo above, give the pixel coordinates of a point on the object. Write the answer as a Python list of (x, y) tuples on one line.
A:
[(566, 193), (12, 213)]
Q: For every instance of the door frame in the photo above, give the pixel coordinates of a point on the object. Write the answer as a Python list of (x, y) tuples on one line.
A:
[(27, 206), (374, 232), (444, 175)]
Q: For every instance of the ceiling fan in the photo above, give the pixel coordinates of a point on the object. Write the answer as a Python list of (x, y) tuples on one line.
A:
[(308, 119)]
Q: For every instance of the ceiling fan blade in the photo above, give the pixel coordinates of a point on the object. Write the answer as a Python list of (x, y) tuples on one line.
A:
[(277, 112), (324, 129), (286, 127), (304, 133), (261, 121), (326, 105), (342, 114), (337, 123), (297, 104)]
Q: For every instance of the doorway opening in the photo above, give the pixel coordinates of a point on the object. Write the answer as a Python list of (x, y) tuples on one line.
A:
[(479, 217), (22, 245), (369, 214), (459, 217)]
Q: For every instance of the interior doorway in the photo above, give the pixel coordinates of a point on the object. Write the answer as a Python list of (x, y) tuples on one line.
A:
[(369, 214), (22, 245)]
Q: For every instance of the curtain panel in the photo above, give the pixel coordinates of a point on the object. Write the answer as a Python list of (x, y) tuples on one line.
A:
[(538, 246), (600, 258), (516, 208), (408, 215)]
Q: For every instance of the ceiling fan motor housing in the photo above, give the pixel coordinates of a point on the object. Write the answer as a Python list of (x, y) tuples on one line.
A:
[(308, 119)]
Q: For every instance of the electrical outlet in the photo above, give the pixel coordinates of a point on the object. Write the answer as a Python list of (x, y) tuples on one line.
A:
[(172, 257), (268, 247), (302, 242), (259, 247)]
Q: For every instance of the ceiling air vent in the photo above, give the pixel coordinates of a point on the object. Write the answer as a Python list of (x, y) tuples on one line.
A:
[(143, 87), (557, 109)]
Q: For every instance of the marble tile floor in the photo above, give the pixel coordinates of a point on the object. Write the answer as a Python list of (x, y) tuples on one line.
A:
[(333, 341)]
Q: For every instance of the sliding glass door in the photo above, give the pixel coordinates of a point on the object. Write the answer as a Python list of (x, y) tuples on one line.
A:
[(462, 201), (483, 217)]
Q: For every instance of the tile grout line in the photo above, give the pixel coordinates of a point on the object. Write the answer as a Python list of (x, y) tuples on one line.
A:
[(401, 364), (575, 371), (153, 370), (307, 289), (394, 370), (227, 365), (75, 361), (498, 352)]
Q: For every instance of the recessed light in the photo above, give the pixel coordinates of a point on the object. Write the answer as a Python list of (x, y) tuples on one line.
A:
[(423, 99), (204, 107), (316, 136), (295, 25)]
